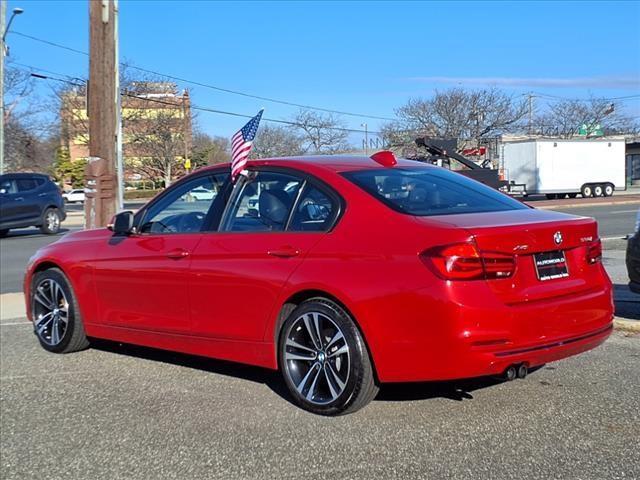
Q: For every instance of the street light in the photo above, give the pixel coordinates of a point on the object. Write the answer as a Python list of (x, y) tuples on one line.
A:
[(16, 11), (3, 53)]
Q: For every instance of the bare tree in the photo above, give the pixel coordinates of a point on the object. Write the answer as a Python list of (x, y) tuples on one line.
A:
[(158, 144), (456, 113), (566, 117), (27, 135), (277, 142), (321, 133)]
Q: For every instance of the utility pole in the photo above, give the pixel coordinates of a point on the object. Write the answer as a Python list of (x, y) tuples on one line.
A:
[(366, 138), (3, 15), (119, 158), (530, 113), (100, 174), (3, 53)]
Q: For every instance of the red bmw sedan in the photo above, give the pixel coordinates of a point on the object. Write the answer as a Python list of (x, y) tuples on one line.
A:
[(341, 272)]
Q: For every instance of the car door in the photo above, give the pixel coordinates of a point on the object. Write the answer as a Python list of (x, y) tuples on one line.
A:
[(237, 272), (141, 279), (8, 204), (27, 199)]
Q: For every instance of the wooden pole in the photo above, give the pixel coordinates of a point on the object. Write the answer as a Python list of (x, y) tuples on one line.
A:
[(100, 173)]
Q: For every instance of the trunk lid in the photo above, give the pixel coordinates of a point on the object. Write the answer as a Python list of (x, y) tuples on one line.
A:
[(530, 236)]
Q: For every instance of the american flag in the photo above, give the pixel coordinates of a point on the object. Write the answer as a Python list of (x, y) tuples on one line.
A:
[(241, 144)]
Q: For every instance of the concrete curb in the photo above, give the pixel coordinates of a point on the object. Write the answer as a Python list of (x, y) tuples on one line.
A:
[(632, 326), (580, 205)]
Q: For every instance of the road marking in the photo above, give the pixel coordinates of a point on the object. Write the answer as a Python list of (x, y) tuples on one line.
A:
[(14, 323)]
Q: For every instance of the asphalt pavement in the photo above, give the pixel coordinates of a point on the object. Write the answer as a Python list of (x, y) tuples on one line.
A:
[(122, 412)]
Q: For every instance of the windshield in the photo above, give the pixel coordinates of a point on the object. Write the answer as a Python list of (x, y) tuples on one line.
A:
[(431, 191)]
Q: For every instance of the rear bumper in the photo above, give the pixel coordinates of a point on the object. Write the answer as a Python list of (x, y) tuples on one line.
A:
[(453, 340)]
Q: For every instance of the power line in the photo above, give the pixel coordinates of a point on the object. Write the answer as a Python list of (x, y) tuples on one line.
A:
[(557, 97), (212, 87), (74, 82)]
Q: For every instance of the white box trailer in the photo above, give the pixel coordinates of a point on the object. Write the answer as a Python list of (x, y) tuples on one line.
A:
[(594, 167)]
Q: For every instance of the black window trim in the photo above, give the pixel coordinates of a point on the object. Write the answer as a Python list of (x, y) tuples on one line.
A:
[(307, 179)]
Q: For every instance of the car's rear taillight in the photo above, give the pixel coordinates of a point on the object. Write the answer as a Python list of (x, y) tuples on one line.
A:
[(463, 261), (594, 251)]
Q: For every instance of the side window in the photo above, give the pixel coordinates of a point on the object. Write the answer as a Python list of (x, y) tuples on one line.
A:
[(315, 211), (263, 203), (184, 209), (26, 184), (8, 186)]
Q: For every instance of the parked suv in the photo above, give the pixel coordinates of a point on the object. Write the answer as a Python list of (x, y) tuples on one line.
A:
[(30, 200), (633, 258)]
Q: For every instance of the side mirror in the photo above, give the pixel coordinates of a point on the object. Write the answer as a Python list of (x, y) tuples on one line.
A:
[(122, 223)]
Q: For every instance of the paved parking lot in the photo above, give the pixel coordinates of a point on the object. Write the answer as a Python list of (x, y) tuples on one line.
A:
[(118, 411), (133, 413)]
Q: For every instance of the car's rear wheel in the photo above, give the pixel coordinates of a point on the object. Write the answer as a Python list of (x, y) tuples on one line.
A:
[(56, 315), (51, 221), (324, 359)]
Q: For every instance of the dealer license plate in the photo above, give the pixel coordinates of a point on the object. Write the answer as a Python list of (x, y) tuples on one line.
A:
[(551, 265)]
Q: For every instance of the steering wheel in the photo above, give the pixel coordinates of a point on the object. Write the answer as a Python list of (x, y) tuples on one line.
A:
[(190, 222)]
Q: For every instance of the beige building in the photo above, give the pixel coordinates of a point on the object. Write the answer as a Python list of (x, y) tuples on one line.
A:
[(156, 122)]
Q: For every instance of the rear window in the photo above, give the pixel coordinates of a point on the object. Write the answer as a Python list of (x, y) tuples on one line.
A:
[(431, 191)]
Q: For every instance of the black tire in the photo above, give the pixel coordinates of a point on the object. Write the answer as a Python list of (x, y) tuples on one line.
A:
[(73, 337), (598, 190), (51, 220), (359, 386), (609, 188), (573, 195), (587, 191), (551, 196), (4, 232)]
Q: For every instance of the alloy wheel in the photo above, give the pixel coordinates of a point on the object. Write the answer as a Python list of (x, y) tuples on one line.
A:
[(50, 312), (317, 358), (53, 221)]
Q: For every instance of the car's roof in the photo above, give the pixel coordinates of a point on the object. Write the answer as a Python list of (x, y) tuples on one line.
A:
[(24, 175), (336, 163)]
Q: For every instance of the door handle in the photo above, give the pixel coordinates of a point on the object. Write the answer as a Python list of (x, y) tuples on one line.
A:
[(19, 199), (284, 252), (178, 253)]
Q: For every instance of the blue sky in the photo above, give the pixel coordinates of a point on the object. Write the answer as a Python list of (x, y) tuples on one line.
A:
[(363, 57)]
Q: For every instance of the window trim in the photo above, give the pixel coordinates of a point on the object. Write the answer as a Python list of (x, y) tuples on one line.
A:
[(306, 179)]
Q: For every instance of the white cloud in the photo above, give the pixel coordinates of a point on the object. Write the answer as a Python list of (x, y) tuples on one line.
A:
[(623, 82)]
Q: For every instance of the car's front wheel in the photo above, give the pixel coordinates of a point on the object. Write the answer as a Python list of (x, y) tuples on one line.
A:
[(55, 312), (51, 221), (324, 359)]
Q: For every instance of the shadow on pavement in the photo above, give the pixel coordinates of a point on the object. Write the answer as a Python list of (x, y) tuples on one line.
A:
[(34, 232), (627, 303), (221, 367), (394, 392)]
